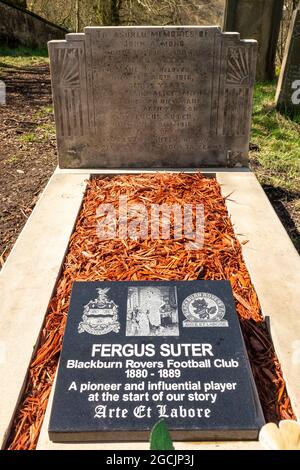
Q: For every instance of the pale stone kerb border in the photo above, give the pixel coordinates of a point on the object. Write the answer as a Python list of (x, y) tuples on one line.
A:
[(44, 442), (31, 271), (274, 267), (136, 171), (27, 281)]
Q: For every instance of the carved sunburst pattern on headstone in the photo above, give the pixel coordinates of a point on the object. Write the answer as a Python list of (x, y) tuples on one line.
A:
[(69, 66), (237, 66)]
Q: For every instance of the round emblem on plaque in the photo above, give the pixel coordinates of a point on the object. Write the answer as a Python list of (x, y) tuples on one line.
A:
[(203, 309)]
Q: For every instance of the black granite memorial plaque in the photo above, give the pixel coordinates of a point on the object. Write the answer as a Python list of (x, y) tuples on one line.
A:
[(137, 352)]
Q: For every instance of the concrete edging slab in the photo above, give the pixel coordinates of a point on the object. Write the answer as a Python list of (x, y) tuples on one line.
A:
[(274, 267), (27, 281)]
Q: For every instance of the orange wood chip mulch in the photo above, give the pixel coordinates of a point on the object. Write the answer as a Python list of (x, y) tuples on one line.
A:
[(90, 259)]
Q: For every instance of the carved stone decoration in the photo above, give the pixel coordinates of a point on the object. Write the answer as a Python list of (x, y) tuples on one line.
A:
[(238, 66), (260, 20), (69, 76), (152, 97)]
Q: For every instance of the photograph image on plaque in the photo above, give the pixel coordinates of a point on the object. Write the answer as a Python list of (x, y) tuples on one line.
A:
[(152, 311), (138, 352)]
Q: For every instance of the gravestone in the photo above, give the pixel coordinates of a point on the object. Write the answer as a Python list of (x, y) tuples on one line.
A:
[(137, 352), (152, 97), (2, 93), (260, 20), (288, 88)]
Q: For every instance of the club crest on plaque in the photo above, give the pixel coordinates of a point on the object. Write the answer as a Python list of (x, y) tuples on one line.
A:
[(203, 310), (100, 316)]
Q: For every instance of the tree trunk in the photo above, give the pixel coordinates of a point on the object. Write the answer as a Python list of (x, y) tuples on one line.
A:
[(77, 16), (295, 4), (110, 12), (18, 3)]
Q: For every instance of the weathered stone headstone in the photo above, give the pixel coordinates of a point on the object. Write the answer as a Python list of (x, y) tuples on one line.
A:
[(2, 93), (152, 97), (137, 352), (21, 27), (260, 20), (288, 88)]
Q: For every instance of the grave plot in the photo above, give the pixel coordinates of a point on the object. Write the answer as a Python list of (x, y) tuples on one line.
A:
[(205, 122), (91, 259)]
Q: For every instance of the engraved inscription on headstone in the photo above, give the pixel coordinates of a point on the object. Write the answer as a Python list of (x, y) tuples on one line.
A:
[(288, 88), (137, 352), (152, 97)]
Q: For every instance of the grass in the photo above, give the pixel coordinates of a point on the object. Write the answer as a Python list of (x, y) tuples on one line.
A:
[(30, 137), (22, 57), (42, 132), (44, 111), (46, 131), (276, 139), (13, 159)]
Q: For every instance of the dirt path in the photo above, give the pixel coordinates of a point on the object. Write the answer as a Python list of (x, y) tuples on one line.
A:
[(27, 148), (28, 154)]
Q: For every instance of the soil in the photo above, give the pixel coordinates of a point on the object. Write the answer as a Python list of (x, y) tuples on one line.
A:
[(284, 202), (286, 207), (28, 155), (91, 257), (27, 148)]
